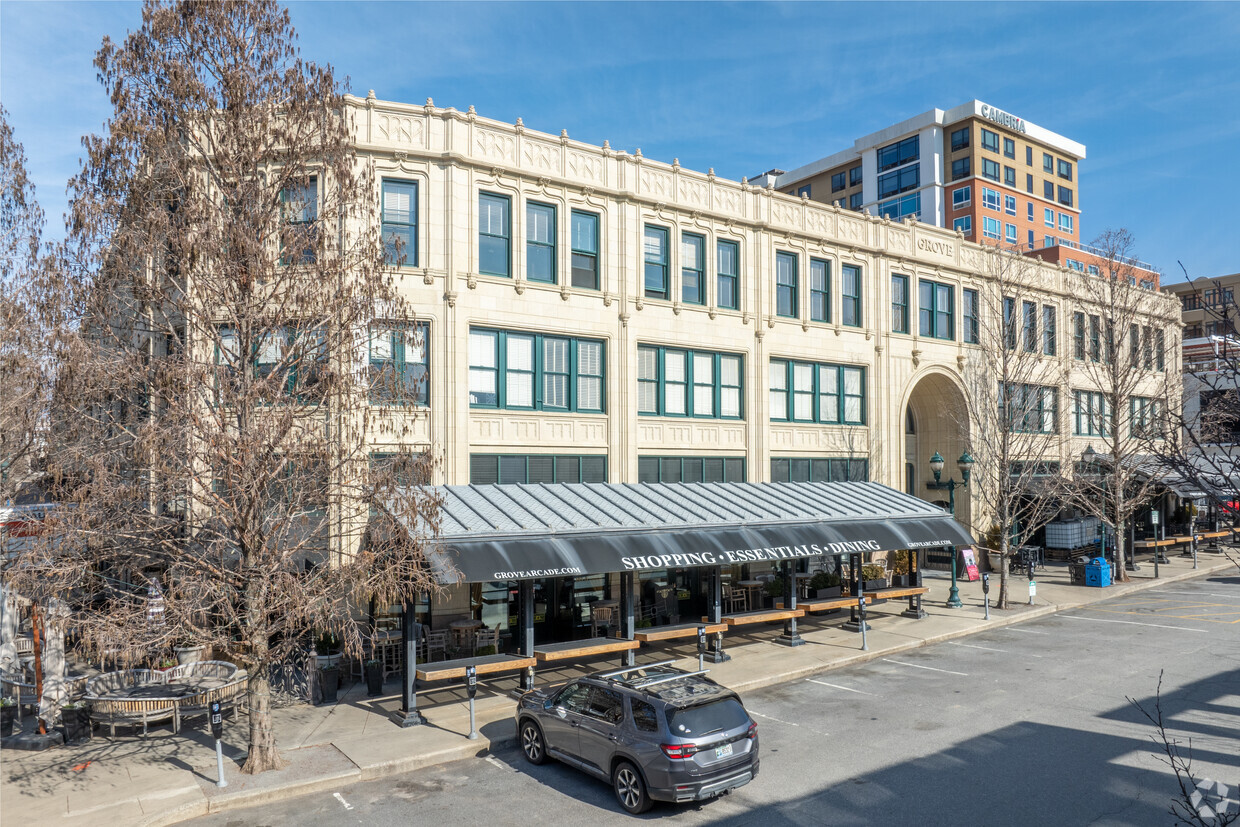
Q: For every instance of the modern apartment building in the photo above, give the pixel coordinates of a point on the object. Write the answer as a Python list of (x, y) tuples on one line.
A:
[(1208, 305)]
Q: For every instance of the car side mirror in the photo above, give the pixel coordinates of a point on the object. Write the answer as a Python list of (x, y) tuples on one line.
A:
[(547, 703)]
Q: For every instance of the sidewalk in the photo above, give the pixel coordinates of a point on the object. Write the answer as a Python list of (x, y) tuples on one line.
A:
[(167, 778)]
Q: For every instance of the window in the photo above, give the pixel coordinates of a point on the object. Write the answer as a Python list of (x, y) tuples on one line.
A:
[(1065, 222), (656, 262), (901, 180), (531, 469), (1030, 239), (990, 227), (960, 139), (676, 382), (819, 469), (990, 140), (1029, 211), (1029, 184), (1134, 345), (398, 363), (300, 208), (1160, 353), (1028, 409), (817, 392), (786, 285), (1009, 148), (970, 313), (964, 224), (644, 719), (727, 276), (805, 190), (1143, 417), (1065, 170), (990, 198), (1009, 176), (1147, 348), (990, 169), (899, 304), (1048, 330), (854, 201), (1009, 323), (1095, 339), (898, 154), (540, 242), (585, 250), (819, 290), (854, 176), (1048, 217), (962, 197), (1010, 231), (535, 372), (1065, 196), (837, 182), (494, 253), (1048, 162), (897, 209), (1029, 314), (1078, 336), (692, 269), (936, 312), (1009, 204), (1089, 413), (400, 223), (850, 290), (961, 168), (1048, 190), (690, 469), (1029, 157)]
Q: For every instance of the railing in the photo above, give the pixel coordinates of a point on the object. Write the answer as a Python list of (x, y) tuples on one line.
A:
[(1095, 251)]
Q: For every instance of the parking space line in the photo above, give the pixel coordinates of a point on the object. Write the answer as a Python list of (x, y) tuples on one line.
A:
[(1133, 623), (834, 686), (769, 718), (1023, 629), (972, 646), (1206, 594), (931, 668)]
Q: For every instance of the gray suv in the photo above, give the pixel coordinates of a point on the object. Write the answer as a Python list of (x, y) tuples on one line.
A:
[(654, 732)]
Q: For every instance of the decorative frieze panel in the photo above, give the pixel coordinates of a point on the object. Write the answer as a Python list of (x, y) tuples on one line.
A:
[(899, 240), (818, 221), (535, 430), (690, 436), (692, 193), (494, 146), (585, 167), (784, 213), (655, 184), (819, 439), (852, 229), (540, 157), (727, 200), (399, 129)]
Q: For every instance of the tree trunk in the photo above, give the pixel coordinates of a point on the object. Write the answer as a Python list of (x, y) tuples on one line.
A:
[(1002, 602), (263, 754)]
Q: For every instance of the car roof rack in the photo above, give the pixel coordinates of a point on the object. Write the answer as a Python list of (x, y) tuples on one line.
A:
[(667, 678), (616, 672)]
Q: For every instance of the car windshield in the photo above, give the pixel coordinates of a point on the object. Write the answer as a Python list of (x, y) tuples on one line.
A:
[(716, 716)]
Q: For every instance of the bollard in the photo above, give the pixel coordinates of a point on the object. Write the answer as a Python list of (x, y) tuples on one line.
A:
[(217, 730), (471, 686)]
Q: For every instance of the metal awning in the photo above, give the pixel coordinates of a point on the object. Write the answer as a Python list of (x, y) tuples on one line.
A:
[(516, 532)]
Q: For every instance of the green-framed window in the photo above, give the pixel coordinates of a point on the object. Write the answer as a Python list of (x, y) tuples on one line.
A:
[(290, 358), (654, 245), (1078, 336), (1145, 417), (400, 223), (819, 290), (299, 239), (680, 382), (1009, 322), (1029, 409), (899, 303), (1029, 325), (494, 234), (816, 392), (1095, 339), (1089, 413), (585, 241), (691, 469), (399, 362), (405, 468), (533, 371), (850, 295), (540, 242), (936, 311), (692, 268), (1049, 330), (820, 469), (969, 300), (531, 469), (786, 285), (727, 282)]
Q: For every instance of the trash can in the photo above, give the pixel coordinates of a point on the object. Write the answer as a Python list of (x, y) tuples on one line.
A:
[(1098, 572)]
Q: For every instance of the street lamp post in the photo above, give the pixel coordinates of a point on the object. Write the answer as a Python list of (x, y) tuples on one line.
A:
[(965, 464)]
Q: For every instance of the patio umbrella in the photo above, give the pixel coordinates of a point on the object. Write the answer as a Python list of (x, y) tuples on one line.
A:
[(55, 689)]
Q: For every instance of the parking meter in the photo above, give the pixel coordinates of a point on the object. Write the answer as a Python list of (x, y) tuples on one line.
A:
[(217, 721), (701, 647), (217, 730), (985, 582), (471, 681)]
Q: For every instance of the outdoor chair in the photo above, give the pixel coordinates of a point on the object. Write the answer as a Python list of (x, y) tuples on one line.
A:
[(486, 637), (735, 599), (436, 642), (601, 618)]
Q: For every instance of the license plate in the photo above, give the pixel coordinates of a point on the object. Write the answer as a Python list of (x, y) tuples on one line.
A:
[(723, 751)]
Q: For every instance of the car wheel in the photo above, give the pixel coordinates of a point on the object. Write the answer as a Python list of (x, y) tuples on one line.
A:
[(630, 788), (532, 743)]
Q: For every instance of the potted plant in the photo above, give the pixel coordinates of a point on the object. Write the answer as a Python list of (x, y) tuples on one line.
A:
[(874, 577), (327, 650), (825, 585), (901, 574), (8, 714), (772, 591), (189, 652), (164, 664), (485, 650), (374, 678), (76, 718)]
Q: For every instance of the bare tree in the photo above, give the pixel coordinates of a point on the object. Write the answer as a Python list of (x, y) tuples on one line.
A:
[(236, 361), (1121, 326), (1014, 404)]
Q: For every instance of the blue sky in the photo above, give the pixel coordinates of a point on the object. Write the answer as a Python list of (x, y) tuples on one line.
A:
[(1151, 89)]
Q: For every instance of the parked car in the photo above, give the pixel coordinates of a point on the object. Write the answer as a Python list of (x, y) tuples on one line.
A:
[(655, 732)]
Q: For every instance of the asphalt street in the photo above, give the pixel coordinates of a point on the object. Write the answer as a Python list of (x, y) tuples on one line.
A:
[(1026, 724)]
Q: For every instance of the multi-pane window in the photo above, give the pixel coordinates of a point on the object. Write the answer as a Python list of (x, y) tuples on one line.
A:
[(1160, 355), (899, 304), (850, 295), (678, 382), (1066, 222), (855, 201), (991, 227), (534, 371), (970, 315), (1095, 339), (1065, 170), (1009, 204), (898, 154), (692, 269), (1029, 211), (1048, 190), (494, 234), (1147, 348), (1089, 413), (1048, 330), (1009, 176), (961, 197), (990, 169), (540, 242), (1134, 345), (400, 223), (1065, 196), (655, 247), (1010, 233), (1078, 336), (805, 190), (819, 469), (786, 285), (1048, 162), (963, 224), (585, 245), (1048, 217), (990, 198), (300, 208), (1144, 416), (819, 290), (816, 392), (1009, 148), (531, 469), (990, 140), (960, 138), (854, 176), (398, 363), (936, 313), (837, 182), (961, 168), (1029, 323), (902, 180), (690, 469), (1029, 184), (727, 275), (1009, 322), (1028, 156), (1030, 409)]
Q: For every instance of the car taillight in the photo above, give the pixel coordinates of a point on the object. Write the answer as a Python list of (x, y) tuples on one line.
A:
[(753, 730), (679, 750)]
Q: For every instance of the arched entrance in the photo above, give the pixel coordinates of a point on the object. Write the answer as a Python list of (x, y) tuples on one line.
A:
[(936, 419)]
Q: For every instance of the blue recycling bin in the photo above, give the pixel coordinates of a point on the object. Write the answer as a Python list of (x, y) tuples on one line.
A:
[(1098, 572)]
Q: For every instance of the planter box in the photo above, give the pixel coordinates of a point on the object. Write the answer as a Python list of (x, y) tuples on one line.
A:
[(900, 580), (827, 593), (328, 661), (329, 684), (8, 714), (189, 654), (374, 679), (77, 725), (874, 585)]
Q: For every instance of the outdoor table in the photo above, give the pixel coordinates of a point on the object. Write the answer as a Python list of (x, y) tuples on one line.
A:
[(762, 616), (463, 631), (680, 630), (753, 588), (803, 579)]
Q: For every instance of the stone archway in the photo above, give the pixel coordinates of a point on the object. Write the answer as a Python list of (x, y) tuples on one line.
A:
[(936, 419)]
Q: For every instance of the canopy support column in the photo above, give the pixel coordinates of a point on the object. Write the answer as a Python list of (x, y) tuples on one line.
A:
[(526, 603), (853, 624), (790, 636), (627, 625), (411, 630), (914, 609), (715, 614)]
